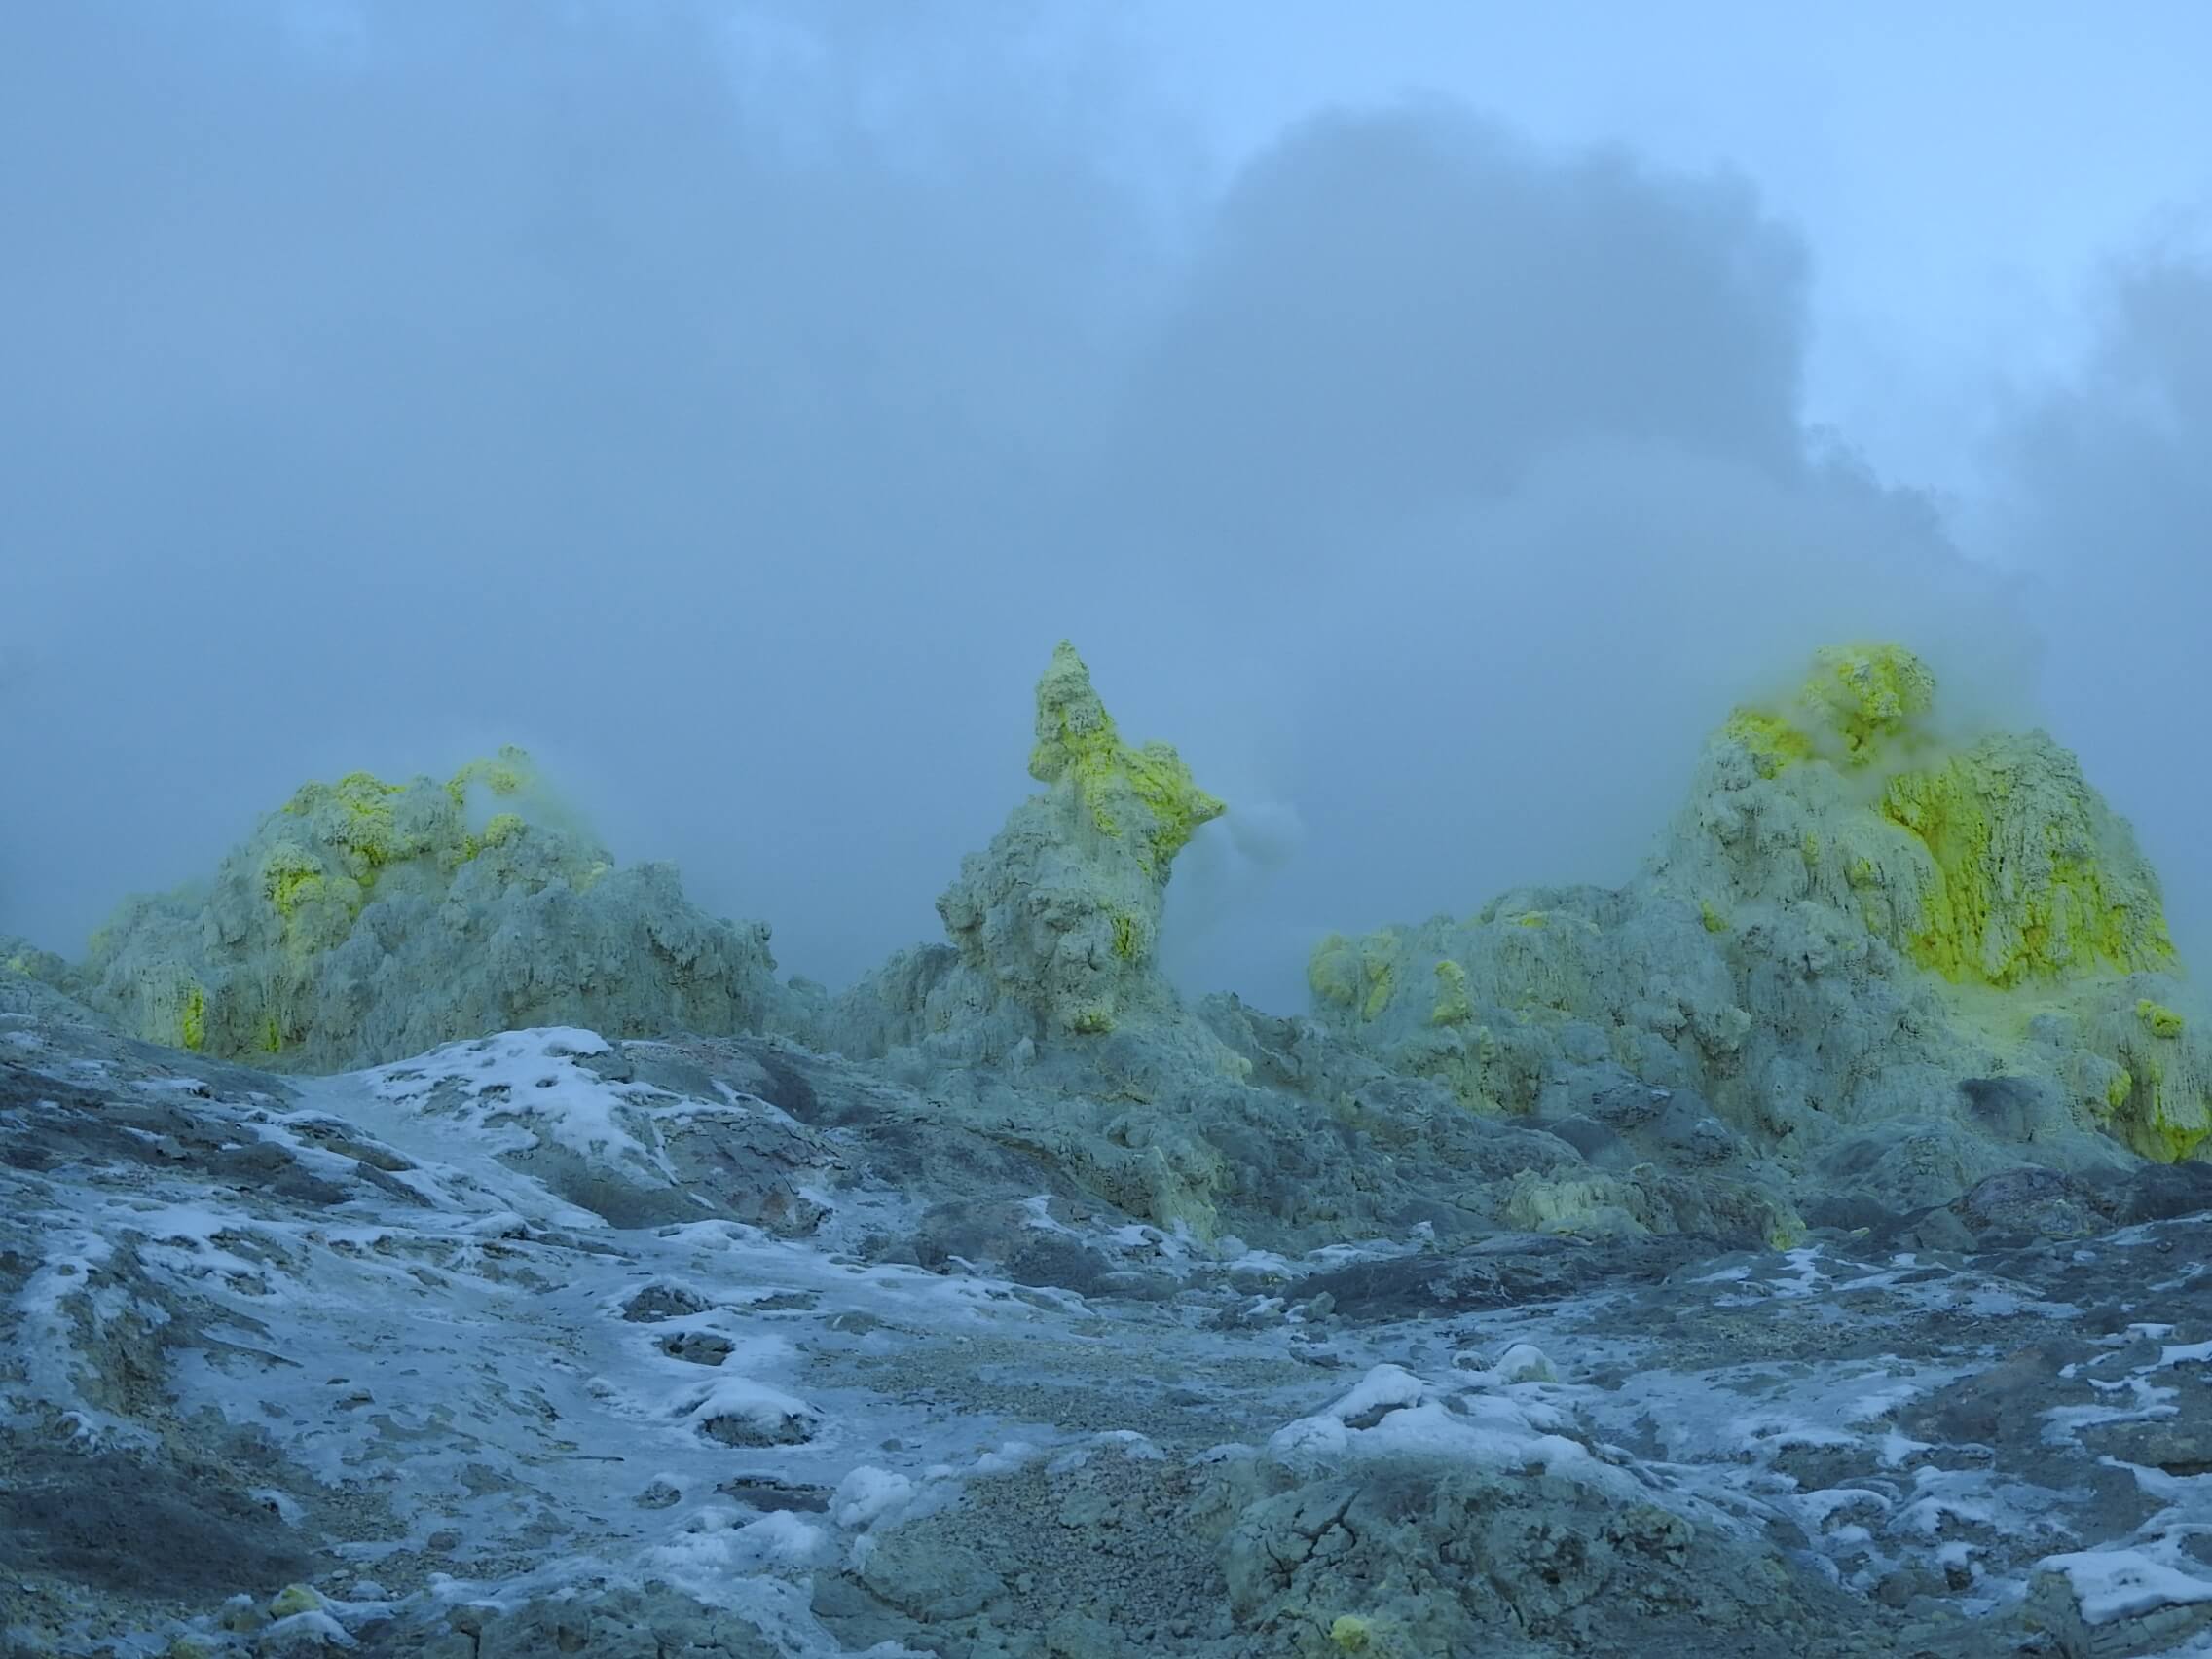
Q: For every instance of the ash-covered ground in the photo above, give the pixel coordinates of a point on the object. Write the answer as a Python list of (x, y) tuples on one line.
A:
[(543, 1344)]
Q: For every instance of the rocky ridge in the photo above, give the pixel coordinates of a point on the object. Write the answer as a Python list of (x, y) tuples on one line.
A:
[(1790, 1250)]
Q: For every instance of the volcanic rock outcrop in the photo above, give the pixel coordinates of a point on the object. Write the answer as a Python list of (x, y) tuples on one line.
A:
[(1047, 1025), (1053, 927), (1864, 952), (1776, 1255), (365, 921)]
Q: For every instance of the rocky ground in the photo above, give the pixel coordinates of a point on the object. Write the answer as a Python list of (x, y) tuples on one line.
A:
[(1799, 1250), (546, 1345)]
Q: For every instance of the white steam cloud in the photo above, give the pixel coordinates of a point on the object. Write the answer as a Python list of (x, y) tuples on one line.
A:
[(736, 404)]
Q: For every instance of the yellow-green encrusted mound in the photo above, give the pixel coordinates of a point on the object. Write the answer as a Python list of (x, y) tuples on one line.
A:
[(2010, 868), (1862, 697), (365, 921), (1495, 1003), (1145, 795), (1055, 927), (1989, 864), (1857, 922), (2030, 876), (1046, 1026), (1059, 917), (2151, 1067)]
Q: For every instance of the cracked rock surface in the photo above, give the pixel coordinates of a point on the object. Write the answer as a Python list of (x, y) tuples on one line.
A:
[(546, 1344)]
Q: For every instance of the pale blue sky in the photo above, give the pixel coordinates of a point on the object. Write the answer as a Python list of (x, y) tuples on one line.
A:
[(1959, 170)]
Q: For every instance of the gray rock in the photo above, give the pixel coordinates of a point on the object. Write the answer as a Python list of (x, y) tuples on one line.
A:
[(929, 1580), (365, 922)]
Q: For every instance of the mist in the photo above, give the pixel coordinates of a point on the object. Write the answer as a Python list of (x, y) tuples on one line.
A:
[(734, 404), (2107, 508)]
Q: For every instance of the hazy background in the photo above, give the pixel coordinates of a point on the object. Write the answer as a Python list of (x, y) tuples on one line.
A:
[(1430, 426)]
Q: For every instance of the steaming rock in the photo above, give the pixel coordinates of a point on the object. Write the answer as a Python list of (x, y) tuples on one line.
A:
[(1891, 963), (1055, 927), (365, 921), (1047, 1025), (1059, 1316)]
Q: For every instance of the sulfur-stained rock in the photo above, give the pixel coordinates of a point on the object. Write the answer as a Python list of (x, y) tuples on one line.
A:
[(1855, 920), (1046, 1026), (1055, 927), (365, 921)]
